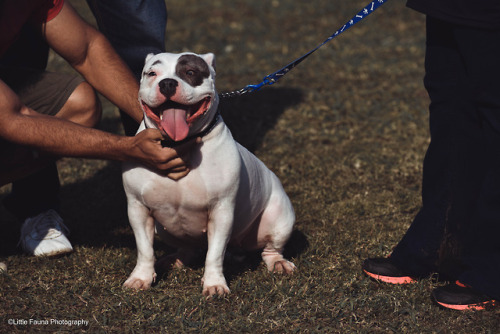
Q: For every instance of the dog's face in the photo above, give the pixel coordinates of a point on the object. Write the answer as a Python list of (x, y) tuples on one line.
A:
[(176, 90)]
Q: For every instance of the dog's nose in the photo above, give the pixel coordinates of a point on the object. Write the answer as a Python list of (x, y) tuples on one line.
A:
[(168, 87)]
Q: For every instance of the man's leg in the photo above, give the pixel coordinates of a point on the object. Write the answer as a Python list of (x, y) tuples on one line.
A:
[(452, 116), (62, 96), (35, 176), (34, 196), (480, 256), (457, 229), (454, 129), (135, 28), (28, 51), (74, 101)]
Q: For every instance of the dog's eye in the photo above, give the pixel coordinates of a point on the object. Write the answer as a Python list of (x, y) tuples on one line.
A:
[(190, 73), (152, 74)]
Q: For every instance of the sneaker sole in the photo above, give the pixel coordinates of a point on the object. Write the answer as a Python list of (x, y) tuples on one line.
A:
[(391, 279), (468, 307), (55, 254)]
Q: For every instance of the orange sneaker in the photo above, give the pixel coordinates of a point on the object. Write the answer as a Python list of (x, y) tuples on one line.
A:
[(458, 296), (384, 270)]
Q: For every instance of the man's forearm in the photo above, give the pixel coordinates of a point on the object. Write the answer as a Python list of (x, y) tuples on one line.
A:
[(59, 137), (23, 126), (63, 138)]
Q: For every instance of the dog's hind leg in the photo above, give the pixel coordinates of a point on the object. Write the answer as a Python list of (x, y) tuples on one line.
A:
[(179, 259), (275, 228)]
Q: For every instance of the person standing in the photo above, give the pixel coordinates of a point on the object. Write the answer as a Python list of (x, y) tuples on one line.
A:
[(456, 231)]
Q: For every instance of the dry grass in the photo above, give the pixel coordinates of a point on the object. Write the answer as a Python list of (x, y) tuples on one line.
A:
[(345, 131)]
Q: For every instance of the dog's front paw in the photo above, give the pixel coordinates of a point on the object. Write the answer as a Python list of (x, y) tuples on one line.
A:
[(139, 283), (216, 290), (215, 287)]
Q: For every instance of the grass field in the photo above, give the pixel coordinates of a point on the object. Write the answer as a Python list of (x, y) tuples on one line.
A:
[(346, 132)]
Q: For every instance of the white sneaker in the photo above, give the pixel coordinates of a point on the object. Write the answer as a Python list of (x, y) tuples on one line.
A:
[(45, 235)]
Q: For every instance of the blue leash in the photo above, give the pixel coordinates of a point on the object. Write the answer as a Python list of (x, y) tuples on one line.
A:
[(274, 77)]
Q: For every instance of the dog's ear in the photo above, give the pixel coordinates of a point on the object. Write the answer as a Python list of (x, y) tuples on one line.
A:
[(148, 57), (210, 59)]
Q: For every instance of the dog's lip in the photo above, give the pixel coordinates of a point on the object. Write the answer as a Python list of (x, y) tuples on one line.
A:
[(193, 111)]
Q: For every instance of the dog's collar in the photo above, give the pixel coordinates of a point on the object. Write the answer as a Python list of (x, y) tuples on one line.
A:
[(171, 143)]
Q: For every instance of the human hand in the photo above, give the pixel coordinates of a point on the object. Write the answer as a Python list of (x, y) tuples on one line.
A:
[(170, 162)]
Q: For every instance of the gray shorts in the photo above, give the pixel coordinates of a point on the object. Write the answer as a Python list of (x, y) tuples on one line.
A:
[(44, 92)]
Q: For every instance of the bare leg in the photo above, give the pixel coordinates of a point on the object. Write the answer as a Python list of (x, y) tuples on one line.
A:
[(82, 107)]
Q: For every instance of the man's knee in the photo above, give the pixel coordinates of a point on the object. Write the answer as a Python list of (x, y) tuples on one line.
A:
[(83, 106)]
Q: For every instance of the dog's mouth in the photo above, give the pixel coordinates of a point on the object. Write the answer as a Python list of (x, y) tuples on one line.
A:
[(174, 119)]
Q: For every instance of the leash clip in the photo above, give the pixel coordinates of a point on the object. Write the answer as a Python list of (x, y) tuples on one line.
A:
[(254, 88), (268, 80)]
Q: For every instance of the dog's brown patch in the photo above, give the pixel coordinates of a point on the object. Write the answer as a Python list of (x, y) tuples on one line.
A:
[(192, 69)]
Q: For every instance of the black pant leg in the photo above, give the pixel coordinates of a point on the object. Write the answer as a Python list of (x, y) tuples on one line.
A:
[(451, 116), (480, 254)]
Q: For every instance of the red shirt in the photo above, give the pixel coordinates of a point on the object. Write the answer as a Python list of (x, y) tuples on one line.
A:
[(14, 14)]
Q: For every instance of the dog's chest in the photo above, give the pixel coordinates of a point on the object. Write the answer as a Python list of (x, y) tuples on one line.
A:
[(181, 207)]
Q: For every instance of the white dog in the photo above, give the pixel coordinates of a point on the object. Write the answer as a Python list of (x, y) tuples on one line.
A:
[(229, 196)]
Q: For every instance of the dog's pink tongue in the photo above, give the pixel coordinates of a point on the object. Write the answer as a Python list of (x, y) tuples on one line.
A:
[(174, 123)]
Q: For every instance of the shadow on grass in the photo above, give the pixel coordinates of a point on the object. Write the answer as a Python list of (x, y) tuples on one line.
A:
[(237, 261), (250, 116)]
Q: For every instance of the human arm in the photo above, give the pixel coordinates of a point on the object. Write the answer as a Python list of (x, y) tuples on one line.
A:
[(89, 52), (23, 126)]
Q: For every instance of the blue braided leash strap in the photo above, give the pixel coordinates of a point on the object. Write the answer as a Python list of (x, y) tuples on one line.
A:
[(274, 77)]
